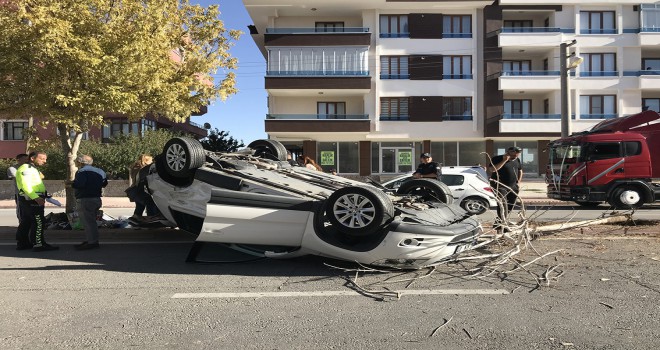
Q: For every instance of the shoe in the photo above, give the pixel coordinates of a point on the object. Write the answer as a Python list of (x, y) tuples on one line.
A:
[(24, 246), (87, 246), (44, 248)]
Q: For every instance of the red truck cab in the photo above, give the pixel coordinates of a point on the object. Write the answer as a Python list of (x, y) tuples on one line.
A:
[(617, 161)]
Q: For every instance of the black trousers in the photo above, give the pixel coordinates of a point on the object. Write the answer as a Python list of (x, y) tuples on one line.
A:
[(508, 194), (31, 224)]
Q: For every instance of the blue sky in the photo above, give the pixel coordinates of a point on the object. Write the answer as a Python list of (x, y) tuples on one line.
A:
[(242, 114)]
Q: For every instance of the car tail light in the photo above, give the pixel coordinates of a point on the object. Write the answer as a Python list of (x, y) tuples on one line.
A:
[(489, 189)]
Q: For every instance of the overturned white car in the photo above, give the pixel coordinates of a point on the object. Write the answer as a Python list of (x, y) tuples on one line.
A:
[(254, 199)]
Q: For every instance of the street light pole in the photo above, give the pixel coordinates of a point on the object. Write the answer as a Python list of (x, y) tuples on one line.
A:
[(564, 71)]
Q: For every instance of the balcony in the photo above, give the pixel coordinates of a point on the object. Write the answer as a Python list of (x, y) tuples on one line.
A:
[(531, 73), (318, 116), (443, 118), (588, 31), (514, 37), (530, 80), (594, 73), (598, 116), (531, 116), (317, 123), (347, 36), (317, 30)]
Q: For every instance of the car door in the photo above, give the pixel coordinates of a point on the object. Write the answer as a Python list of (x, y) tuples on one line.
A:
[(456, 184), (605, 162)]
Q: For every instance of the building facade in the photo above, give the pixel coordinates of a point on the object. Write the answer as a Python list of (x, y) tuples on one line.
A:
[(366, 87)]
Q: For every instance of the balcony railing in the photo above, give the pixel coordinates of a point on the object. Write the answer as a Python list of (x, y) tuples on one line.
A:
[(457, 76), (313, 73), (318, 116), (637, 73), (195, 124), (531, 30), (530, 73), (595, 73), (598, 116), (394, 117), (649, 30), (453, 117), (394, 76), (456, 35), (394, 35), (599, 31), (530, 116), (310, 30)]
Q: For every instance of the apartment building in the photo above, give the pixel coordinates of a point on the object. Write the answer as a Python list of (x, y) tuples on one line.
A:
[(366, 87)]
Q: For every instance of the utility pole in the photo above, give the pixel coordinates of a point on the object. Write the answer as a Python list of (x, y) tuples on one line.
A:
[(564, 71)]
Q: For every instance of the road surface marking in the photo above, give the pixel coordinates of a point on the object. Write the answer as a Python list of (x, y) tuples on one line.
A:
[(333, 293)]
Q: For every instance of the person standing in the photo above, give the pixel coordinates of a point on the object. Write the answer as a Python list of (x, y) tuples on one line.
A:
[(88, 184), (506, 175), (31, 201), (427, 168), (136, 182), (11, 175)]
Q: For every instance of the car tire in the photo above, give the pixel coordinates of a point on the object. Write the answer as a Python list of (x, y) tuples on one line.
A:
[(182, 155), (587, 204), (359, 211), (475, 205), (269, 149), (626, 197), (430, 190)]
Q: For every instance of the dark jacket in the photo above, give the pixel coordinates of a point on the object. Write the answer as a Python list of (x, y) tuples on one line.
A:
[(89, 181)]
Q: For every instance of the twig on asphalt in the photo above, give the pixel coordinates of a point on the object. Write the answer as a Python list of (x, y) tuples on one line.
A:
[(439, 327)]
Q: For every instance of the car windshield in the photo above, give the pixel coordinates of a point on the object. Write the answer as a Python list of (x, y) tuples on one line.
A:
[(565, 154)]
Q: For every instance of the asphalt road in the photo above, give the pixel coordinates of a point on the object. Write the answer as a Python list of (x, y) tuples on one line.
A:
[(137, 291)]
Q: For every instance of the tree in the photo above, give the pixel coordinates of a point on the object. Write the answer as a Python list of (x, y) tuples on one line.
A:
[(70, 62), (217, 141)]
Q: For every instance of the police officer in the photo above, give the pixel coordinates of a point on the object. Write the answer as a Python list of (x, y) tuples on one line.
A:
[(427, 167), (32, 191)]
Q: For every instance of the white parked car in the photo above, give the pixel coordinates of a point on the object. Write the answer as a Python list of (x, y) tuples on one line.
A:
[(469, 187), (254, 199)]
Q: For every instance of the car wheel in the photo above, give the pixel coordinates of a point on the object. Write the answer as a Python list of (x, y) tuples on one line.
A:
[(626, 197), (359, 211), (587, 204), (475, 205), (182, 155), (269, 149), (429, 190), (161, 169)]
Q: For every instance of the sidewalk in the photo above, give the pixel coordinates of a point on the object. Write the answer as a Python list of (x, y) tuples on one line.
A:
[(532, 191)]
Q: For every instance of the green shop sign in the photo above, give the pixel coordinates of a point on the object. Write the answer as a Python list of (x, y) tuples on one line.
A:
[(405, 158), (327, 157)]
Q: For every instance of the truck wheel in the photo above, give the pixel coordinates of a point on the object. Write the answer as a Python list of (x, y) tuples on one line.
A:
[(269, 149), (429, 189), (359, 211), (475, 205), (626, 197), (182, 155)]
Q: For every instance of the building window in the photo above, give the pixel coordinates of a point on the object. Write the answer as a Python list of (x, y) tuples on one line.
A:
[(329, 27), (331, 110), (147, 124), (314, 61), (516, 68), (650, 17), (518, 26), (598, 106), (394, 157), (457, 67), (394, 67), (599, 65), (394, 26), (597, 22), (344, 157), (119, 127), (394, 108), (14, 130), (457, 108), (651, 103), (651, 64), (517, 109), (456, 26)]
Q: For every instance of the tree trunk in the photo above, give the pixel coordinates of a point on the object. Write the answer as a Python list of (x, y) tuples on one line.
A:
[(70, 146)]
